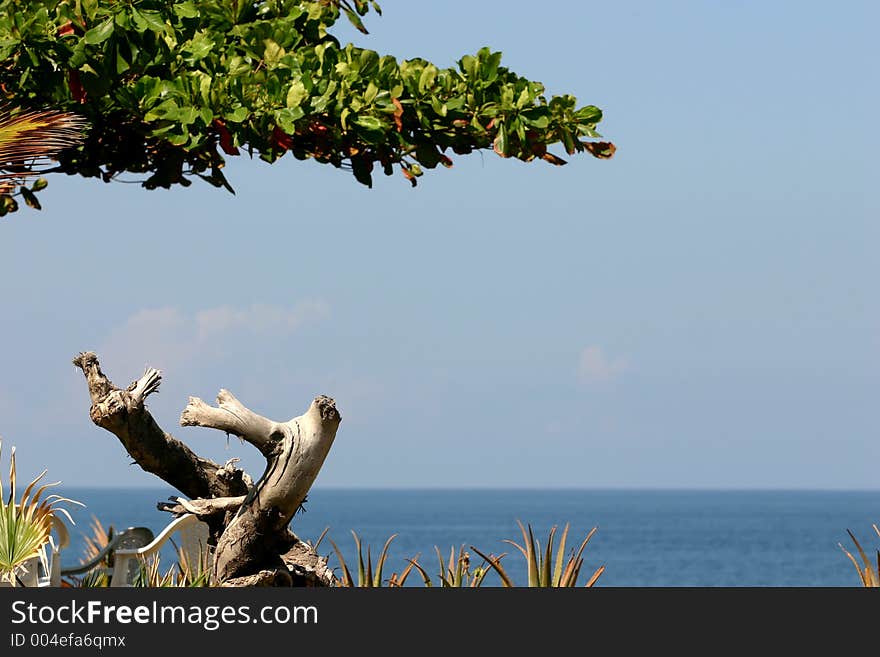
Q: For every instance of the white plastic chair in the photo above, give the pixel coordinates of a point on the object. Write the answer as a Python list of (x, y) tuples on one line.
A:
[(193, 545)]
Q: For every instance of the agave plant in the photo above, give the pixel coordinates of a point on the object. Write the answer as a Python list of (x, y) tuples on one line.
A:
[(368, 575), (456, 572), (869, 573), (26, 524), (27, 139), (182, 574), (542, 570)]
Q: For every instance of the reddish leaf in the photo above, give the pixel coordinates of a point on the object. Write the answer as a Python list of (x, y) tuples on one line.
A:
[(552, 159), (491, 124), (66, 29), (604, 150), (538, 148), (75, 86), (281, 139), (397, 114), (225, 137), (446, 161)]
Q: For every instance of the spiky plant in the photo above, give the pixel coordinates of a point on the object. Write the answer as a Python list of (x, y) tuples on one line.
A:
[(94, 545), (456, 571), (29, 138), (368, 575), (869, 573), (542, 570), (182, 574), (26, 524)]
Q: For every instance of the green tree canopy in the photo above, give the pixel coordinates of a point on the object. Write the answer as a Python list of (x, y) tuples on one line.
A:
[(169, 87)]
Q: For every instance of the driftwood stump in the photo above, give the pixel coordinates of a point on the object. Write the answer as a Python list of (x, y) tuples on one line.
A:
[(248, 521)]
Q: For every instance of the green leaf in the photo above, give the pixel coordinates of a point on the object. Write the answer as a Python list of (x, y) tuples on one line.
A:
[(296, 94), (237, 115), (427, 78), (428, 155), (287, 118), (569, 142), (489, 70), (370, 93), (501, 143), (361, 167), (99, 33), (186, 10), (356, 21), (187, 115), (30, 199), (273, 53), (369, 63), (166, 110), (121, 65), (588, 114), (9, 204), (468, 64), (152, 19), (370, 123), (200, 46), (39, 184), (438, 106)]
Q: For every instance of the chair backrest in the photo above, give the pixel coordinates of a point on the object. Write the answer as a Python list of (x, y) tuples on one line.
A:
[(127, 539), (193, 546)]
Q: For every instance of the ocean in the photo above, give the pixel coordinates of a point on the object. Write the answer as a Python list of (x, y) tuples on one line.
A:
[(645, 538)]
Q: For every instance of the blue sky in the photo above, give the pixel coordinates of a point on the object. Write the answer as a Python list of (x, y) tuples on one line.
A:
[(700, 311)]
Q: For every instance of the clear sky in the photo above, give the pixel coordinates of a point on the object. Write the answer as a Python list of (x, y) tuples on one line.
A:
[(700, 311)]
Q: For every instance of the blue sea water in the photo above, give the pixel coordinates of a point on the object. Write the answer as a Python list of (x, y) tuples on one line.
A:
[(645, 538)]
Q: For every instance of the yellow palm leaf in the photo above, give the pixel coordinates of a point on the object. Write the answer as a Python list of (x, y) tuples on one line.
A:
[(28, 137)]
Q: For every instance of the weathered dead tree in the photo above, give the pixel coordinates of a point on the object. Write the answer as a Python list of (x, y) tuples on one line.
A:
[(249, 521)]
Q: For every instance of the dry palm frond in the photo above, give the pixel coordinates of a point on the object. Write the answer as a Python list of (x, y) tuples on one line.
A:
[(28, 137), (99, 539), (94, 545)]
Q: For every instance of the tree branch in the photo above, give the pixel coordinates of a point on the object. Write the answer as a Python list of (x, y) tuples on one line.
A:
[(123, 413), (231, 416)]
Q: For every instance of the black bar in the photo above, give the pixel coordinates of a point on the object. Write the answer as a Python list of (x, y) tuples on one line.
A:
[(400, 621)]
